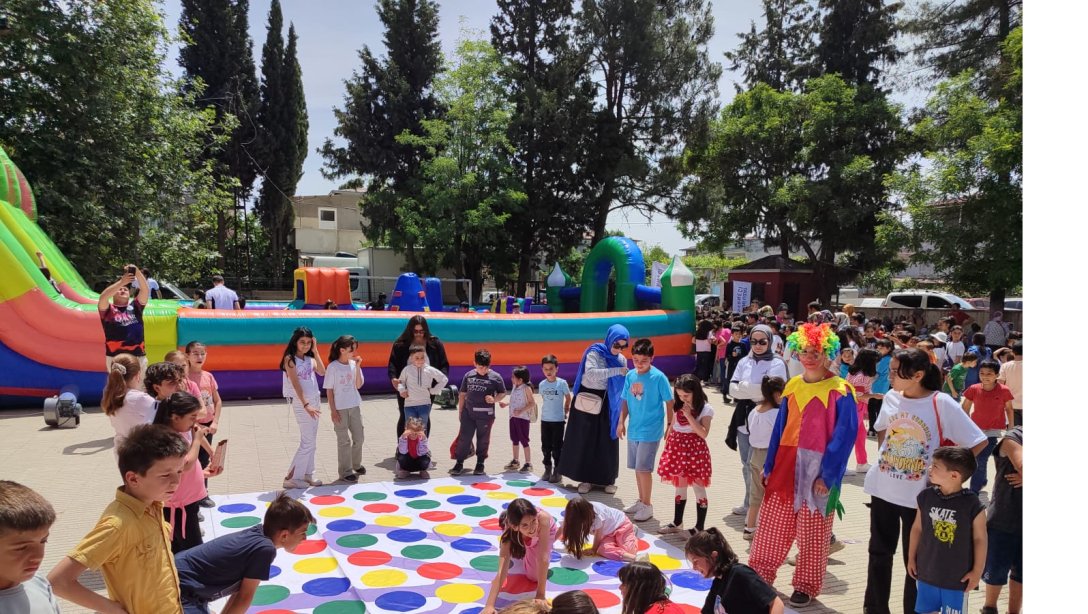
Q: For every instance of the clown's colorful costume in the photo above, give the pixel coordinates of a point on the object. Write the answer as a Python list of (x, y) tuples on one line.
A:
[(812, 438)]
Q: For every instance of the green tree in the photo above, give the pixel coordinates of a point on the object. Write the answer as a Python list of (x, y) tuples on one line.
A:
[(781, 53), (656, 87), (857, 40), (386, 98), (99, 128)]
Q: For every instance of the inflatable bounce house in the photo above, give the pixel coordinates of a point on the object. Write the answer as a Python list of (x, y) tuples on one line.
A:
[(50, 336)]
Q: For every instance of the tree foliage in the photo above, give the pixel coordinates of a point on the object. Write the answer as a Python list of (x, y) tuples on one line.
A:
[(781, 53), (857, 40)]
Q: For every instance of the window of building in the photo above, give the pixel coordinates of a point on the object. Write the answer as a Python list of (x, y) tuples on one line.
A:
[(326, 219)]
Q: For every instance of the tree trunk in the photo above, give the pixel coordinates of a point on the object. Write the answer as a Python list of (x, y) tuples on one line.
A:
[(997, 301), (221, 238), (525, 260), (600, 218)]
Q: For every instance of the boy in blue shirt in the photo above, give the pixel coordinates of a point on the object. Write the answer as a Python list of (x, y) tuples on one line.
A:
[(646, 392), (553, 415), (882, 384)]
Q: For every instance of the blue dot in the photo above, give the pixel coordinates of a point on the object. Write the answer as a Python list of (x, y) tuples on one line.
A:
[(326, 587), (400, 601), (468, 544), (345, 525), (410, 493), (407, 535), (273, 571), (554, 558), (505, 505), (463, 500), (608, 568), (237, 508), (472, 610), (690, 579)]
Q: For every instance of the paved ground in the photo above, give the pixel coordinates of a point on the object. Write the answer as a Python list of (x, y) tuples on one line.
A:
[(75, 469)]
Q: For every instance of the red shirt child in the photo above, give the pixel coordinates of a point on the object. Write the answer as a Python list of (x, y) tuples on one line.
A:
[(989, 406)]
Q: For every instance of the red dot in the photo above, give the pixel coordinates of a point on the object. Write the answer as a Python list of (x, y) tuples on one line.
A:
[(381, 508), (310, 546), (518, 583), (538, 492), (439, 571), (491, 524), (602, 599), (486, 486), (369, 558), (327, 500), (438, 516), (642, 545)]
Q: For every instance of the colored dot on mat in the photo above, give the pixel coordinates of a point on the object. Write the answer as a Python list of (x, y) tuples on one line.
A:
[(491, 524), (421, 552), (274, 571), (664, 562), (409, 493), (565, 576), (384, 578), (406, 536), (486, 486), (270, 593), (310, 530), (423, 504), (381, 508), (356, 541), (469, 544), (555, 557), (459, 593), (326, 587), (240, 522), (345, 526), (338, 511), (310, 546), (538, 492), (237, 508), (453, 530), (463, 500), (501, 496), (475, 610), (692, 580), (449, 490), (323, 564), (479, 511), (439, 571), (399, 601), (519, 483), (341, 607), (554, 502), (369, 558), (438, 516), (370, 496), (601, 598), (608, 568), (643, 545), (392, 521), (326, 500), (486, 562)]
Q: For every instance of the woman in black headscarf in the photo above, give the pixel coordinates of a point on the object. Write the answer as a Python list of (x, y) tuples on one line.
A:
[(417, 332)]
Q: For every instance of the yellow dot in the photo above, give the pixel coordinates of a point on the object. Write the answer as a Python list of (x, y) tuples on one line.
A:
[(449, 490), (554, 502), (316, 565), (501, 496), (392, 521), (335, 512), (459, 593), (664, 562), (453, 530), (382, 578)]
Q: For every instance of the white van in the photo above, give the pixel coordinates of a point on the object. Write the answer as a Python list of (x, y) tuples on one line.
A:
[(924, 299)]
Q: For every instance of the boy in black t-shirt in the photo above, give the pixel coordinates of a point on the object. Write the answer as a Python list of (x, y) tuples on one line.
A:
[(236, 564), (948, 540), (480, 389), (1005, 525)]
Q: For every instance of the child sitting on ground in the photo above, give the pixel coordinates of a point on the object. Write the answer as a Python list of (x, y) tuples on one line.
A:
[(25, 520), (613, 533), (413, 451), (948, 540)]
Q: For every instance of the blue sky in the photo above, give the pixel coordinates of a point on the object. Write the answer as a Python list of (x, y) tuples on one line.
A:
[(331, 32)]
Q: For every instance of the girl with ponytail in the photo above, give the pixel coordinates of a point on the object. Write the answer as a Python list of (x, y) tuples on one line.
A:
[(527, 534), (124, 400)]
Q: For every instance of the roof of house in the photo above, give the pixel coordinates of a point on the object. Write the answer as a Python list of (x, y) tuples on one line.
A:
[(773, 263)]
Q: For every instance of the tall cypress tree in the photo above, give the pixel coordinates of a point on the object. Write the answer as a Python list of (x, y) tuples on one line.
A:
[(857, 39), (779, 54), (295, 96)]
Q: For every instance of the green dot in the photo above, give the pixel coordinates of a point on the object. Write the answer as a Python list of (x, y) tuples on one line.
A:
[(479, 511), (341, 607), (422, 552), (240, 522), (368, 496), (423, 504), (357, 541), (310, 530), (566, 576), (270, 593), (519, 483), (486, 562)]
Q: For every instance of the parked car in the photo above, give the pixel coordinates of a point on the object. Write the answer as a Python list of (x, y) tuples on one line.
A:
[(708, 300), (1012, 303), (925, 299), (171, 292)]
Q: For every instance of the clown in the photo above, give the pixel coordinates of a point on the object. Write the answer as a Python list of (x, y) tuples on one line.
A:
[(806, 459)]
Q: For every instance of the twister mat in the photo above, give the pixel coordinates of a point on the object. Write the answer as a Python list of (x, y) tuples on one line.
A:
[(425, 547)]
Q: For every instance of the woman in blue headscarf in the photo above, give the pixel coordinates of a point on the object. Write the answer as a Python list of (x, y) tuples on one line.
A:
[(591, 453)]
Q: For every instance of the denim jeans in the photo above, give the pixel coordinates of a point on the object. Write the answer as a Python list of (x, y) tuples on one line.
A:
[(745, 450), (978, 480)]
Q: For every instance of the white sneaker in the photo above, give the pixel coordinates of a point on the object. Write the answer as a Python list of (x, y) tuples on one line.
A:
[(671, 528), (584, 488), (289, 484), (634, 507), (644, 513), (862, 468), (610, 489), (740, 510), (309, 479)]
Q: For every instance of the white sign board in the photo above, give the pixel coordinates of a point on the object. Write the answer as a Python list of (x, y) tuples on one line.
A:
[(656, 270), (742, 295)]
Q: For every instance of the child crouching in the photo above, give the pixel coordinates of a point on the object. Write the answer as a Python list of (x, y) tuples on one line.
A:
[(413, 452)]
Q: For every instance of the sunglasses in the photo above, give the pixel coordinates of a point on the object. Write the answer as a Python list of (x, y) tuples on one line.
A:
[(620, 345), (760, 342)]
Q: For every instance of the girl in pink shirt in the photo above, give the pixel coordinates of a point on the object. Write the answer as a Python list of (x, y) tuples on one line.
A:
[(179, 412)]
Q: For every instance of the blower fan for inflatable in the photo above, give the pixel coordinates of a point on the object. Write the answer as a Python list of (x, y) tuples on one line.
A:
[(447, 399), (63, 410)]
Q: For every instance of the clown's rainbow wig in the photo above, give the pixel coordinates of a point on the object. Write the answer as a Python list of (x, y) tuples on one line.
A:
[(814, 336)]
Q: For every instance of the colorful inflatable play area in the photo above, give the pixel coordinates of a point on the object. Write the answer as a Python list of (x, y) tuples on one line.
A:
[(51, 337)]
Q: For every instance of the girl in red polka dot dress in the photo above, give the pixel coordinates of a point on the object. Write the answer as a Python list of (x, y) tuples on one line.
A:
[(686, 459)]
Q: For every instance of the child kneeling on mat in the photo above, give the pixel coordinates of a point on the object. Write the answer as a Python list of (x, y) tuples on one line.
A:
[(613, 533)]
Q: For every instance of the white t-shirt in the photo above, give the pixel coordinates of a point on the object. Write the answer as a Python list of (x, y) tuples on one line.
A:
[(222, 296), (702, 345), (1012, 375), (708, 412), (307, 379), (955, 350), (340, 378), (138, 408), (34, 596), (760, 426), (607, 520), (911, 436)]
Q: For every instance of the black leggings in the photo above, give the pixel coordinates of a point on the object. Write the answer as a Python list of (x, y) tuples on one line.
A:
[(889, 524), (190, 527)]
